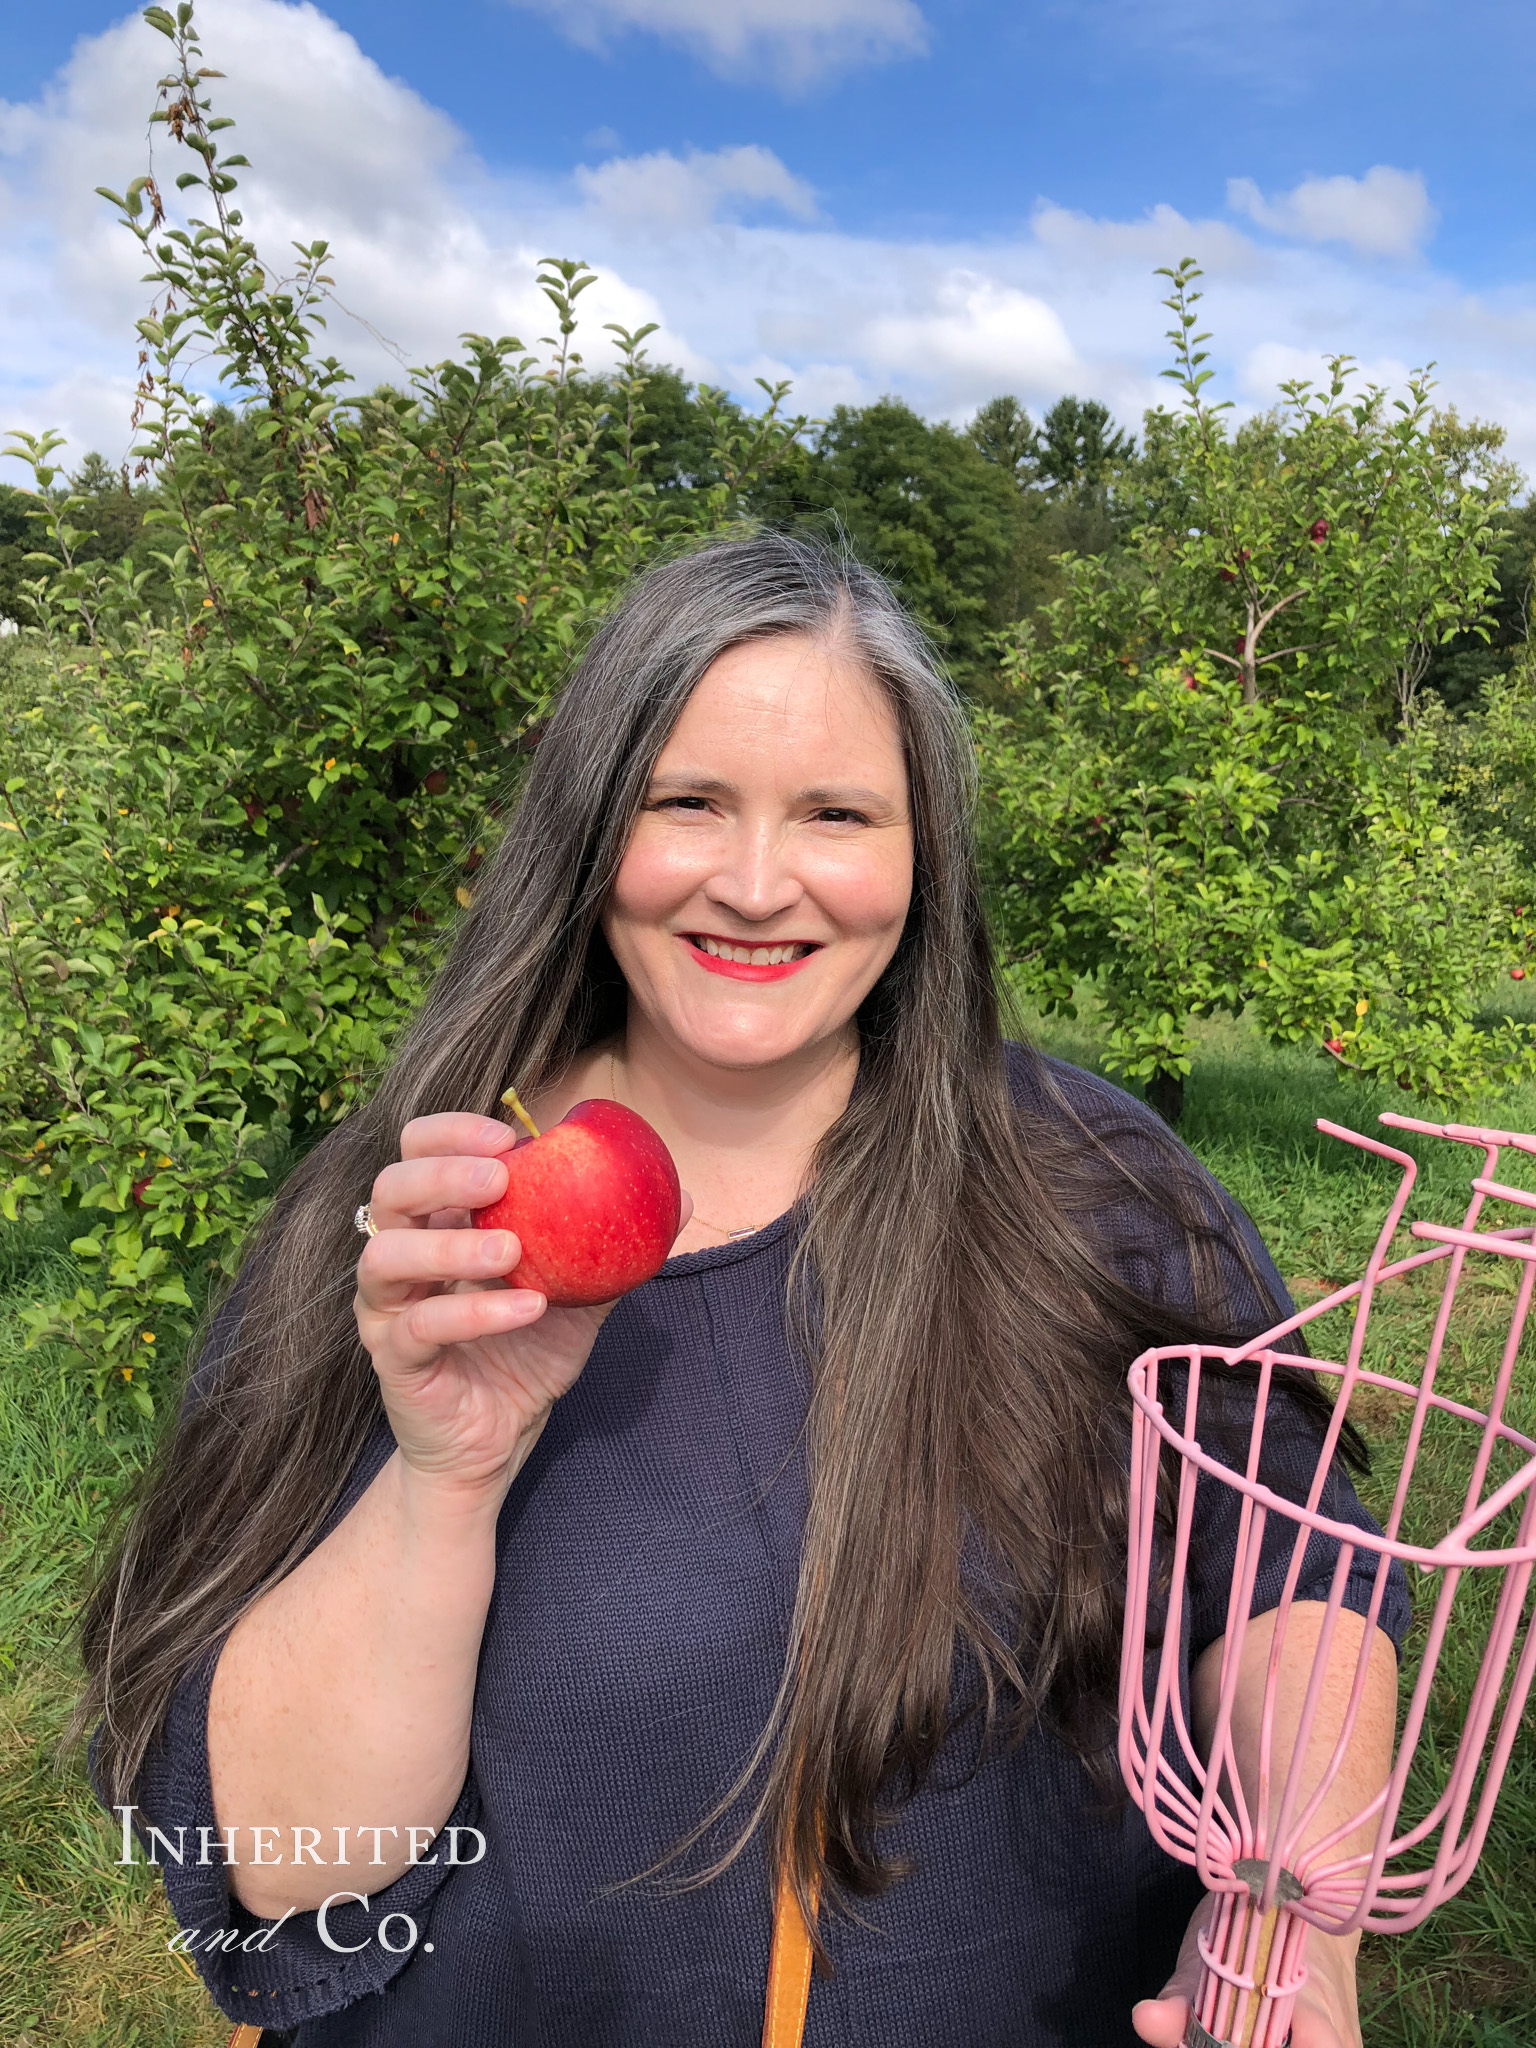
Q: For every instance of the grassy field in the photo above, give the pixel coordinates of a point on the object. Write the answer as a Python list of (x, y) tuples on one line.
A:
[(84, 1959)]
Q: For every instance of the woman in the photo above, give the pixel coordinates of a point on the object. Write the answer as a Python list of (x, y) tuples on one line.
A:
[(797, 1568)]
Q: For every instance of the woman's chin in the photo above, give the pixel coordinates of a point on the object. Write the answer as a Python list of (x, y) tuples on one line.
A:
[(743, 1039)]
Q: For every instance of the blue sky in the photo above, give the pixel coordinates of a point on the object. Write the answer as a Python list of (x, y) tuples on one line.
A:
[(940, 197)]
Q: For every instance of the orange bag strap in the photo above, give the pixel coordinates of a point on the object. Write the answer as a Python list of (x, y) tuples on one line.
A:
[(789, 1972), (245, 2036)]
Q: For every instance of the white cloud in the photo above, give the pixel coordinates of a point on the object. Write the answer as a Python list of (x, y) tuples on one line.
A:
[(661, 193), (745, 278), (1162, 236), (795, 43), (977, 332), (1385, 213)]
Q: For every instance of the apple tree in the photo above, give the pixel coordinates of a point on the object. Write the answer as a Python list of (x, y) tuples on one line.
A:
[(1209, 786), (248, 780)]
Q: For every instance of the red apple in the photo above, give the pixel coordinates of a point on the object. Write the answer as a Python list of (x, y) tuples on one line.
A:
[(1317, 532), (1517, 974), (1334, 1045), (594, 1202), (435, 783)]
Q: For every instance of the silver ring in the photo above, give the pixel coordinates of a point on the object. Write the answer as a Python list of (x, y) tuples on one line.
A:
[(363, 1220)]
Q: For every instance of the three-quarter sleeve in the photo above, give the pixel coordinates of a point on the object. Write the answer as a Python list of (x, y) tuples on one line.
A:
[(277, 1973)]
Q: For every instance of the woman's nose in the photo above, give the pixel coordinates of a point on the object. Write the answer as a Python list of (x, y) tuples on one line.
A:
[(754, 880)]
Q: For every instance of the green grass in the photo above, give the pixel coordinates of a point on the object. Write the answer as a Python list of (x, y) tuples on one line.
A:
[(84, 1959), (84, 1942)]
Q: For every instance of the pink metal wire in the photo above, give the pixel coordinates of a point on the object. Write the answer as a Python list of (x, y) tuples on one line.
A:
[(1259, 1847)]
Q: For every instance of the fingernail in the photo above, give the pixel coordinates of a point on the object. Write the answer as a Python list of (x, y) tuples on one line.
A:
[(486, 1174), (496, 1249)]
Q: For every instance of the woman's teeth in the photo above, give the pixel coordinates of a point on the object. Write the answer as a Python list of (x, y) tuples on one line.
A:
[(751, 956)]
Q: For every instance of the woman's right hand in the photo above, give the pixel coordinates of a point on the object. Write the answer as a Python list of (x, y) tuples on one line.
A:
[(469, 1367)]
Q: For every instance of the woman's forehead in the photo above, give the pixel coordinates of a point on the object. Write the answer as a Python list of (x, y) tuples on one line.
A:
[(796, 692)]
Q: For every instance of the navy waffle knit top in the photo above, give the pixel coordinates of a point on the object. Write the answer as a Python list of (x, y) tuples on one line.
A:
[(646, 1568)]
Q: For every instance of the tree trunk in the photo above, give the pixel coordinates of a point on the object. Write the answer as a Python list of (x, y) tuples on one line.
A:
[(1165, 1092)]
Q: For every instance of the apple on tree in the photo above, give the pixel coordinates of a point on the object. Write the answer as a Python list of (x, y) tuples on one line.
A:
[(594, 1202)]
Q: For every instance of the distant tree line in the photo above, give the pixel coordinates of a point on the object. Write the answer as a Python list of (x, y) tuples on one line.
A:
[(971, 522)]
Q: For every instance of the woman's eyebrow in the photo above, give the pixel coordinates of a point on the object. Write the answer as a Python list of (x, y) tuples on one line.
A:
[(695, 785), (847, 794)]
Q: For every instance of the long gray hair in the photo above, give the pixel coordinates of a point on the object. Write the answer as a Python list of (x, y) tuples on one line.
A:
[(968, 1341)]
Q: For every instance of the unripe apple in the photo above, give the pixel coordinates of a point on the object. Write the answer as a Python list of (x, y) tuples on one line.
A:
[(594, 1202)]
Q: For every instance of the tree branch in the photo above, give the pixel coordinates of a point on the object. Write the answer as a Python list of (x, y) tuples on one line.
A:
[(288, 859)]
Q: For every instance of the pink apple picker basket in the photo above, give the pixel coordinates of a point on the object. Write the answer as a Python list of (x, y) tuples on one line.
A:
[(1275, 1876)]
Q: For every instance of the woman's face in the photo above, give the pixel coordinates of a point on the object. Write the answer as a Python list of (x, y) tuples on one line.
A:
[(767, 878)]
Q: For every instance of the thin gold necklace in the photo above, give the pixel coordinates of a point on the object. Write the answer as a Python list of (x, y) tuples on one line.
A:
[(743, 1230)]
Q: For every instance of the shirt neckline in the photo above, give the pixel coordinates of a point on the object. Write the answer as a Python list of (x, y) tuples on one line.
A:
[(734, 1249)]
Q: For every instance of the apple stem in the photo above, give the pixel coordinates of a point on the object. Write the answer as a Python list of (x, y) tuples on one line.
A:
[(517, 1109)]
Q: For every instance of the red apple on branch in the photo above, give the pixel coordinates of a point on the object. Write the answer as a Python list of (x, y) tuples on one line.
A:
[(594, 1201)]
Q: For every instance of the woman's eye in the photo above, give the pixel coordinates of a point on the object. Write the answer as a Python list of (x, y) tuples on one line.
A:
[(682, 803), (835, 814)]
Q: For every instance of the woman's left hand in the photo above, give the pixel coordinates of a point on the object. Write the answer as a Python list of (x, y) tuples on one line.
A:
[(1326, 2014)]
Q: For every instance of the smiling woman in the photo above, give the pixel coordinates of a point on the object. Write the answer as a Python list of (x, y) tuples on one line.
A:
[(775, 1607), (756, 906)]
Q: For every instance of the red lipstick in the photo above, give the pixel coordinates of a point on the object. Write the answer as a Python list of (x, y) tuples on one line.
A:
[(739, 970)]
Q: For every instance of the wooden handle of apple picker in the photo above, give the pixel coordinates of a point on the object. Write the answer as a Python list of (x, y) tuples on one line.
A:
[(1197, 2035)]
